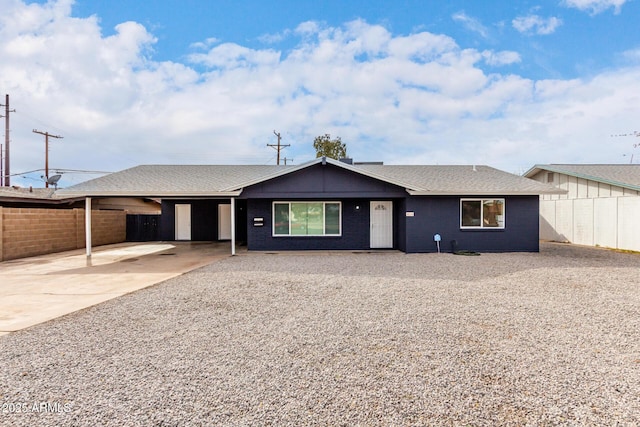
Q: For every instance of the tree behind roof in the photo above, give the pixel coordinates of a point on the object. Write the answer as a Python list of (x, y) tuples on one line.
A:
[(333, 148)]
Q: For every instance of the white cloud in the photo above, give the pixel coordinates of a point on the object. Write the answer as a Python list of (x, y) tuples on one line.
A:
[(274, 38), (422, 46), (416, 98), (471, 23), (632, 55), (206, 44), (595, 6), (505, 57), (308, 27), (231, 55), (534, 24)]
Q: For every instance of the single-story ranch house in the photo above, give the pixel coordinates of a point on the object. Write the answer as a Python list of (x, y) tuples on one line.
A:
[(328, 204)]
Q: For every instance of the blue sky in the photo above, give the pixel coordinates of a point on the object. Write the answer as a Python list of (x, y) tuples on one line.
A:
[(559, 42), (508, 84)]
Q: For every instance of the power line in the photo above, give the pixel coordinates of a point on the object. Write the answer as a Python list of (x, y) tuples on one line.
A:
[(61, 170), (634, 133)]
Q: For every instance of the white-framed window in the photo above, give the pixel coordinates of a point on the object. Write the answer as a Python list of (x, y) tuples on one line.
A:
[(307, 219), (482, 213)]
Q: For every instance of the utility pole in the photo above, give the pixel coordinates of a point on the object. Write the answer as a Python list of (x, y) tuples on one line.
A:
[(46, 153), (6, 181), (278, 146), (285, 161)]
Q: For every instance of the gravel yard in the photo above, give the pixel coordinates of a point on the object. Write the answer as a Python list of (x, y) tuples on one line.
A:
[(345, 339)]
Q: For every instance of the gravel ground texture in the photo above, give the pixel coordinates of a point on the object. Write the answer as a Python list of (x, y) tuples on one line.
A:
[(346, 339)]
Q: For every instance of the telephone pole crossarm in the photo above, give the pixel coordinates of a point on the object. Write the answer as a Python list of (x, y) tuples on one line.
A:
[(278, 146)]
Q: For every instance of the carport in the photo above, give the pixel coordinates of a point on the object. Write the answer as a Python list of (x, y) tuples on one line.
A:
[(178, 220), (186, 193)]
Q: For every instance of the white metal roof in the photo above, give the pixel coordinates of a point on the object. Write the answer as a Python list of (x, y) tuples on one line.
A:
[(621, 175)]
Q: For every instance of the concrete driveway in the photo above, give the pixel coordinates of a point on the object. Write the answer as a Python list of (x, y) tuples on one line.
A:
[(34, 290)]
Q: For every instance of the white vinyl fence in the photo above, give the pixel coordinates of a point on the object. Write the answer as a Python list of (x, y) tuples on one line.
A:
[(612, 222)]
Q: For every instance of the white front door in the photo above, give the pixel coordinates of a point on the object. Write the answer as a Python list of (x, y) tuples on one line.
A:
[(224, 222), (381, 218), (183, 222)]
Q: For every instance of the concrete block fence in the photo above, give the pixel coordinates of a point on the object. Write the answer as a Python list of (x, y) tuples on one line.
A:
[(28, 232)]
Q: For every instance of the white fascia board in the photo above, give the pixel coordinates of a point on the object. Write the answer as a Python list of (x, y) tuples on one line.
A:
[(149, 194), (369, 174), (285, 171), (314, 162), (483, 193), (327, 160), (534, 170)]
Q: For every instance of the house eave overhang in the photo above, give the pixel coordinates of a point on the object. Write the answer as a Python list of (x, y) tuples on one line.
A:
[(464, 193), (157, 194), (33, 200)]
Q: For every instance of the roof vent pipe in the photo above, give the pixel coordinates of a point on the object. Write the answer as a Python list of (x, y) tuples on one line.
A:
[(474, 168), (324, 160)]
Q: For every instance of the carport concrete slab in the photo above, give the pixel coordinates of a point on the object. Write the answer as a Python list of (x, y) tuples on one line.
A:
[(34, 290)]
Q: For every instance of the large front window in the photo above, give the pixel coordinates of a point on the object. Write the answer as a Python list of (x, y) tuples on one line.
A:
[(306, 219), (482, 213)]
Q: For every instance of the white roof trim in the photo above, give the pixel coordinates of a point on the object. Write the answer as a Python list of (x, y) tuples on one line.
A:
[(151, 195), (481, 193), (323, 160)]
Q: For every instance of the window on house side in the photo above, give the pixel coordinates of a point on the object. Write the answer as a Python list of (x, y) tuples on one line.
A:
[(482, 213), (306, 219)]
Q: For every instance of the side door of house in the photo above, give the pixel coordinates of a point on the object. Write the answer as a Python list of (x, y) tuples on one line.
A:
[(381, 225), (224, 222), (183, 222)]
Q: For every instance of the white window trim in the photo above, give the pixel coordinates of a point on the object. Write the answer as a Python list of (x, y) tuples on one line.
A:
[(289, 202), (482, 200)]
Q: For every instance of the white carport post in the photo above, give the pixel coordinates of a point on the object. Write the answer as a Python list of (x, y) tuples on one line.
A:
[(233, 226), (87, 225)]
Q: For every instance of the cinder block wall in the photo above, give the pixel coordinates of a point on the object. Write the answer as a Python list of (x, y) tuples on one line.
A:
[(31, 231)]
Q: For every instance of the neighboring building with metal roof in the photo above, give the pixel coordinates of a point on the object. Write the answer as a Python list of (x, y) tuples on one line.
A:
[(21, 197), (36, 197), (588, 181), (328, 204), (600, 206)]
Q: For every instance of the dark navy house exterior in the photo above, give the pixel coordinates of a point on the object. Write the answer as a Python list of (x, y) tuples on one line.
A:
[(330, 205)]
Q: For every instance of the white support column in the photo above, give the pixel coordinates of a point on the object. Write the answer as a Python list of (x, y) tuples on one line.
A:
[(87, 225), (233, 226)]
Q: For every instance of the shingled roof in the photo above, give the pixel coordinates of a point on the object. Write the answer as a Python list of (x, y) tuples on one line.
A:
[(230, 180), (625, 175), (172, 180), (460, 179)]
